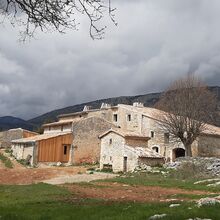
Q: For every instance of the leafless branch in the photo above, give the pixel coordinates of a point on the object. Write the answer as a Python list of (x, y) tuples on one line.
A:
[(58, 15), (189, 106)]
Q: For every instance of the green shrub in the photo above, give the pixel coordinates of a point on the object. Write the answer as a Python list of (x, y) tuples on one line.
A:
[(8, 151), (107, 170), (6, 161), (22, 162)]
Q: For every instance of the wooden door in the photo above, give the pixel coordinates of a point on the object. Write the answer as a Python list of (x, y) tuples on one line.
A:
[(65, 153), (125, 164)]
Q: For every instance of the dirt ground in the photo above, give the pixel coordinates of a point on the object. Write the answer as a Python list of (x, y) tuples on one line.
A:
[(22, 175), (109, 191), (35, 175), (121, 192)]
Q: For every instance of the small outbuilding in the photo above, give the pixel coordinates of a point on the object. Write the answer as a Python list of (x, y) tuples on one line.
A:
[(12, 134), (121, 151), (49, 148)]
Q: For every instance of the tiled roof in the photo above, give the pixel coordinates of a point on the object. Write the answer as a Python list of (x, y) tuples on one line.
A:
[(211, 130), (123, 133), (143, 152), (21, 129), (40, 137), (58, 123)]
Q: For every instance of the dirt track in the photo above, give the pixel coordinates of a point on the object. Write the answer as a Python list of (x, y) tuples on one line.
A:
[(22, 175), (122, 192)]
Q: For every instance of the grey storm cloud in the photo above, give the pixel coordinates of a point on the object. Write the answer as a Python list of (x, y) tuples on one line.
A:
[(155, 42)]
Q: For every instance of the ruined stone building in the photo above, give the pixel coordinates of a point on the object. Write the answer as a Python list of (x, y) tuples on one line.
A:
[(12, 134), (138, 135)]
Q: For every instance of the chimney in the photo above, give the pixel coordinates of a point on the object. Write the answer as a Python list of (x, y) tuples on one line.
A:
[(86, 108), (138, 104), (105, 105)]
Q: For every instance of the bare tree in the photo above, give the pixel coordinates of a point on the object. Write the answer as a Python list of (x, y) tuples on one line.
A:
[(57, 15), (189, 105)]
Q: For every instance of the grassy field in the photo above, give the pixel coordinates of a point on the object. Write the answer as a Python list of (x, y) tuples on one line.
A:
[(156, 179), (42, 201)]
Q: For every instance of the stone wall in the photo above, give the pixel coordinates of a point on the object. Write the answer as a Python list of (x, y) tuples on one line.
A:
[(10, 135), (134, 142), (21, 151), (86, 142), (60, 128), (151, 161), (132, 125), (158, 140), (209, 146)]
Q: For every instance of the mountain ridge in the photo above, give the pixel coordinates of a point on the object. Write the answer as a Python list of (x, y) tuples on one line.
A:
[(148, 99), (9, 122)]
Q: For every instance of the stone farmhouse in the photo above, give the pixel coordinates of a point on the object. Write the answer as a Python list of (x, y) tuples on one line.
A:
[(124, 151), (131, 129)]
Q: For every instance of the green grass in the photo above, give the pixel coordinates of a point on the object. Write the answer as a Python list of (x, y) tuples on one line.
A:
[(190, 196), (6, 161), (156, 179), (42, 201)]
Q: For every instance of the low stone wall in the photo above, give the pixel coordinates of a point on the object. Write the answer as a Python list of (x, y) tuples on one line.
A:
[(151, 161)]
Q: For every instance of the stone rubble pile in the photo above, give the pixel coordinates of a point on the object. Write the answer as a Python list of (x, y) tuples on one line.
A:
[(207, 202), (144, 167), (157, 216), (207, 165), (199, 218)]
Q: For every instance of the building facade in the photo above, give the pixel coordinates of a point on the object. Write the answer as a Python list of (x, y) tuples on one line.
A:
[(44, 148), (123, 152), (86, 127)]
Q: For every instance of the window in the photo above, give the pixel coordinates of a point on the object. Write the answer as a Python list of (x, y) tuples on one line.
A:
[(129, 117), (152, 134), (65, 150), (156, 149), (115, 117), (110, 141), (166, 138)]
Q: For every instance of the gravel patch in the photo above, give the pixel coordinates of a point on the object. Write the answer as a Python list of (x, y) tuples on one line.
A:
[(79, 178)]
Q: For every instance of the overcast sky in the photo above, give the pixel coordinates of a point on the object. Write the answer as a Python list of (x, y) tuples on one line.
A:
[(155, 42)]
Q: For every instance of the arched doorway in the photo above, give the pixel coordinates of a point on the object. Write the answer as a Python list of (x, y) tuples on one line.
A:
[(178, 152)]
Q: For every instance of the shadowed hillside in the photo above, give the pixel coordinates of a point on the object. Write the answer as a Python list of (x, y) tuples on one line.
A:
[(148, 100), (8, 122)]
